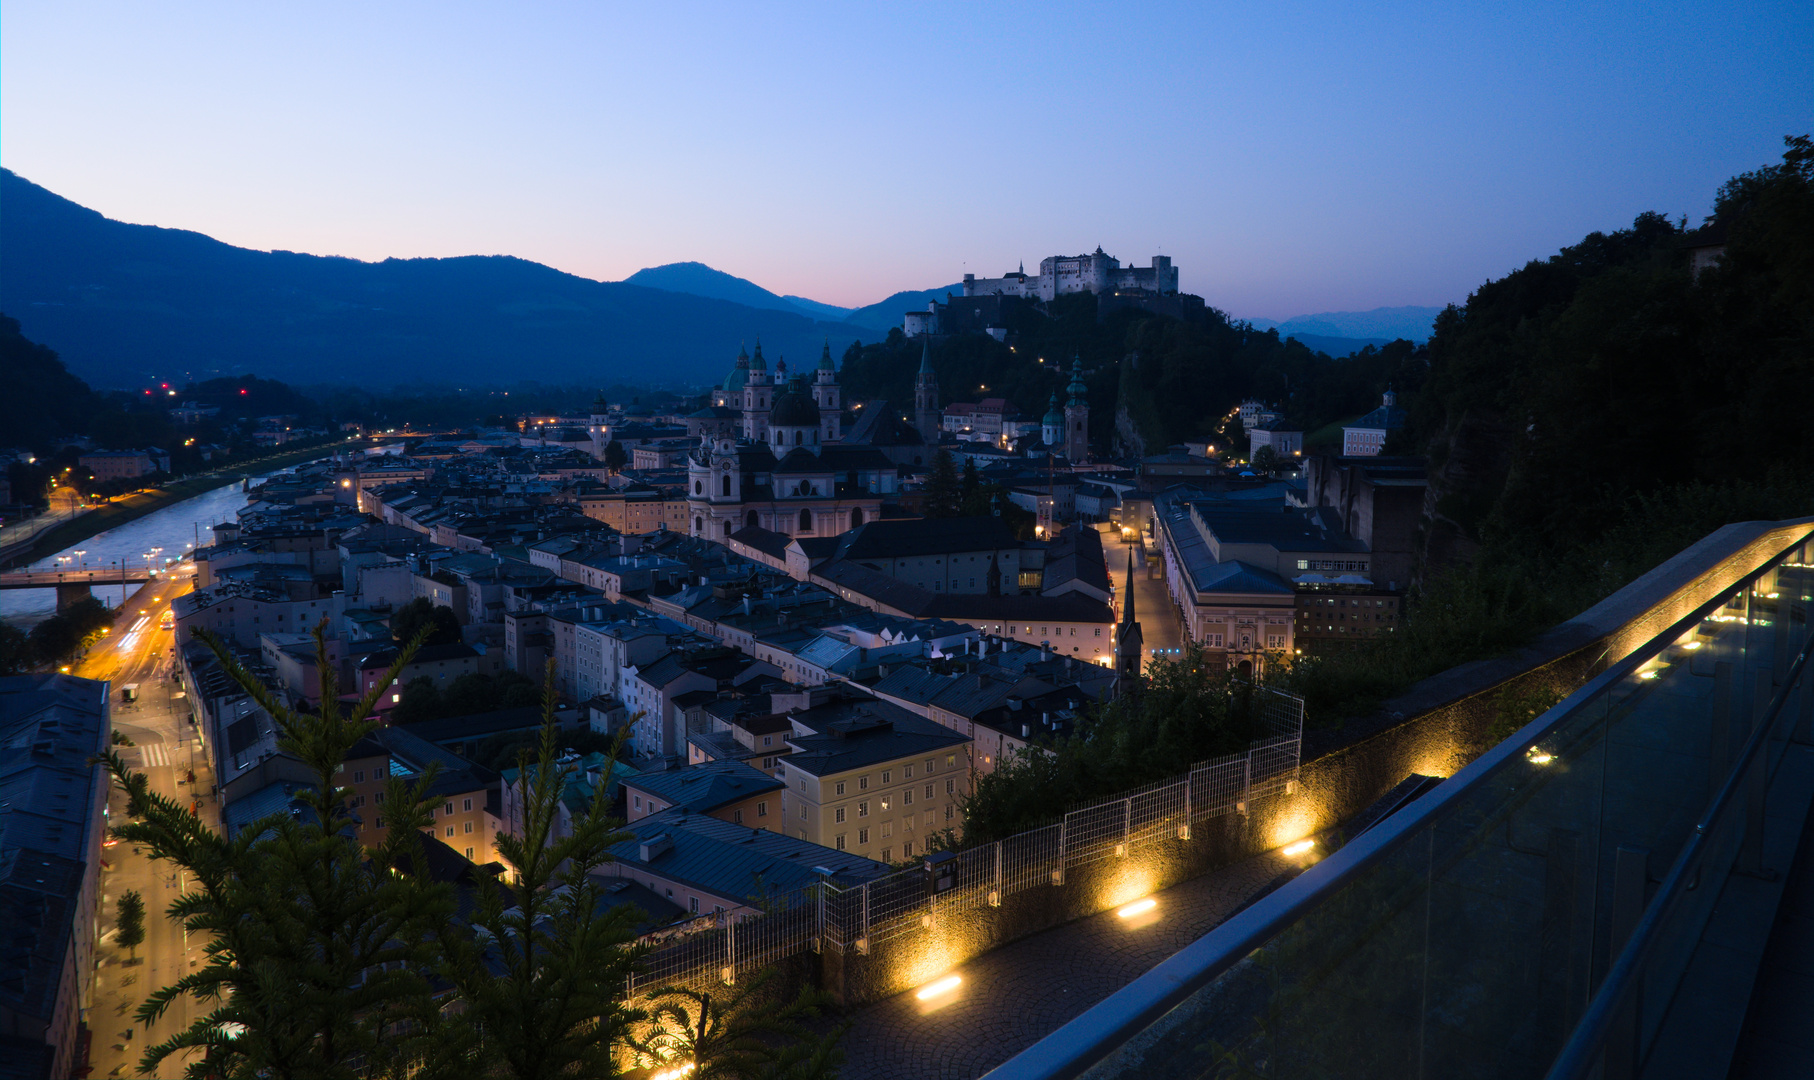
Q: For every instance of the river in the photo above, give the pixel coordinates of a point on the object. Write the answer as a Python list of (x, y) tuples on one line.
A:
[(177, 529)]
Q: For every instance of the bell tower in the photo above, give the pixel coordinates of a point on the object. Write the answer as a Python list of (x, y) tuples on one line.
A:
[(1077, 416), (828, 397), (925, 396)]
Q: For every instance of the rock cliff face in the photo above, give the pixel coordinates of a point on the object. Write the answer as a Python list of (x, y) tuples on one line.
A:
[(1470, 462)]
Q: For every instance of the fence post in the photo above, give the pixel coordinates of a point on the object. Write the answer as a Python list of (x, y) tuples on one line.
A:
[(1127, 825), (1058, 874), (1190, 783), (730, 953), (863, 940), (1246, 783), (995, 895)]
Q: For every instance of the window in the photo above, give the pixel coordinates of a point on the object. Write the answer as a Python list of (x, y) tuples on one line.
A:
[(950, 811), (887, 854), (887, 829), (951, 786), (802, 811), (886, 800), (762, 808), (468, 828), (693, 903), (907, 848), (359, 776), (468, 854), (448, 809), (450, 830), (929, 791), (638, 800), (768, 740), (838, 842), (379, 798), (862, 836), (950, 760), (863, 808), (906, 772), (840, 787), (907, 797), (928, 766), (736, 817), (377, 823), (929, 817), (887, 776), (467, 804), (725, 484), (838, 815), (862, 783)]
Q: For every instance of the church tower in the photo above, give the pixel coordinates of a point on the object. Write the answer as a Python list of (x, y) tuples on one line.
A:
[(925, 398), (1051, 426), (758, 395), (1128, 639), (827, 395), (599, 425), (1077, 416)]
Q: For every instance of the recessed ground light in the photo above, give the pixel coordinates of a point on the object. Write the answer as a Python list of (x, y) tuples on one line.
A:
[(1138, 907), (942, 986), (1300, 846)]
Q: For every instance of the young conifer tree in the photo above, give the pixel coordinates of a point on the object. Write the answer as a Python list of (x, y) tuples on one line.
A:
[(318, 953), (545, 976)]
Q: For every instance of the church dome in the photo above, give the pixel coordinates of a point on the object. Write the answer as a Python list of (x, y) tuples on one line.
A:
[(740, 373), (1054, 418), (794, 407)]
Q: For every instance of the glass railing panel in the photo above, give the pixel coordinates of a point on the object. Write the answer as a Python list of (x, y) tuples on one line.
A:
[(1473, 943)]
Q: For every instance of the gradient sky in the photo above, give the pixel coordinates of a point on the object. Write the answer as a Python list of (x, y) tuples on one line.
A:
[(1292, 158)]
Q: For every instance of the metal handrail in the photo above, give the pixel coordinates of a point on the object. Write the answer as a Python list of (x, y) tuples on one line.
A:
[(1580, 1054), (1090, 1037)]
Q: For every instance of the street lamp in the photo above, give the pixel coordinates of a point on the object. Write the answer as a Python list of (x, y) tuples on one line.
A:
[(79, 553)]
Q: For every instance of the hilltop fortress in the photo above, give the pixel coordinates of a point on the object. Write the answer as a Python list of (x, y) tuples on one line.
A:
[(1092, 273), (988, 303)]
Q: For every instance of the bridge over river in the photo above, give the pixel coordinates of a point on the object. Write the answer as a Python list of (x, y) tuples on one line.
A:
[(73, 585)]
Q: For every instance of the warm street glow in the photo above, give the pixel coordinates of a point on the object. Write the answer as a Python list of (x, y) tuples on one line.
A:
[(1138, 907), (1300, 847), (942, 986)]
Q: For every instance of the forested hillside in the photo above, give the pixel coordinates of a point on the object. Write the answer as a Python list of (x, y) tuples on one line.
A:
[(1176, 379)]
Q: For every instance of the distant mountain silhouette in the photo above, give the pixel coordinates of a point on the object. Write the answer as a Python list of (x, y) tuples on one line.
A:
[(125, 303), (1388, 323), (817, 310), (888, 313)]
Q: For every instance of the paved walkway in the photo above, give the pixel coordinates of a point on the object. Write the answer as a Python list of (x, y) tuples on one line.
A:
[(1018, 994)]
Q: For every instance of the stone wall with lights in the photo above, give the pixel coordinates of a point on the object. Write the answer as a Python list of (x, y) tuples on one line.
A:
[(1439, 726)]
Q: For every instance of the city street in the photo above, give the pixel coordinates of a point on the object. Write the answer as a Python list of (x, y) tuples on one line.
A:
[(1153, 607), (138, 651)]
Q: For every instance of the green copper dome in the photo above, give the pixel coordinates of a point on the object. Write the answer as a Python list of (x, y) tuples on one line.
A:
[(1054, 417), (1078, 391), (825, 357)]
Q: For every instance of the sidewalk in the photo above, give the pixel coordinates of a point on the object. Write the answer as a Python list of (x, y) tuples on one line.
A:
[(1018, 994)]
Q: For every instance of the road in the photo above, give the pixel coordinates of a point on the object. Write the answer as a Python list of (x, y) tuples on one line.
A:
[(136, 650), (1153, 607)]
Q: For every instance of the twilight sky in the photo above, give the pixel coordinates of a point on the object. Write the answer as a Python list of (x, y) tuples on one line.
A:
[(1301, 158)]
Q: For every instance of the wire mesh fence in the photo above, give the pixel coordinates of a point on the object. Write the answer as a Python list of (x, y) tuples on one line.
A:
[(718, 947)]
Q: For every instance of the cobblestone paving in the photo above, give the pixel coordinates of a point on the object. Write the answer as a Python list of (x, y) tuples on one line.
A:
[(1018, 994)]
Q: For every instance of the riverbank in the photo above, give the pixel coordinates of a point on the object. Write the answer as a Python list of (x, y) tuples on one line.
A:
[(133, 507)]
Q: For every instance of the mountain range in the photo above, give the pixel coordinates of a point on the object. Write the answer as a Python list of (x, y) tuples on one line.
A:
[(127, 305), (1379, 325)]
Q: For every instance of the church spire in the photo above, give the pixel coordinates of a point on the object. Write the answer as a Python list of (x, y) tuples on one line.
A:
[(825, 356), (1129, 642), (1127, 609), (925, 354)]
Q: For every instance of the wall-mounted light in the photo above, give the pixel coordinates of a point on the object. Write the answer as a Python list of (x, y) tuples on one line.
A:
[(941, 986)]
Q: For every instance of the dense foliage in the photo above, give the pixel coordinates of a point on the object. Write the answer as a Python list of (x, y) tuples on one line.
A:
[(468, 695), (1592, 414), (1188, 711)]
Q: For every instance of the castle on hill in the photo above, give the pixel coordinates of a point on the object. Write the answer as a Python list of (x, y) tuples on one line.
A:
[(1060, 275)]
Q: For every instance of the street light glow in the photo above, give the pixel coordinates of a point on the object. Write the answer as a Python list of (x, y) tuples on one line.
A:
[(1138, 907), (942, 986), (1300, 847)]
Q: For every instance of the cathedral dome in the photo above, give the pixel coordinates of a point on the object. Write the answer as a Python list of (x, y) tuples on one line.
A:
[(794, 407), (1053, 418)]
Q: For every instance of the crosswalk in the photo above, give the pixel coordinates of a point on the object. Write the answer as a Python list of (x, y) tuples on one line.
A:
[(153, 754)]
